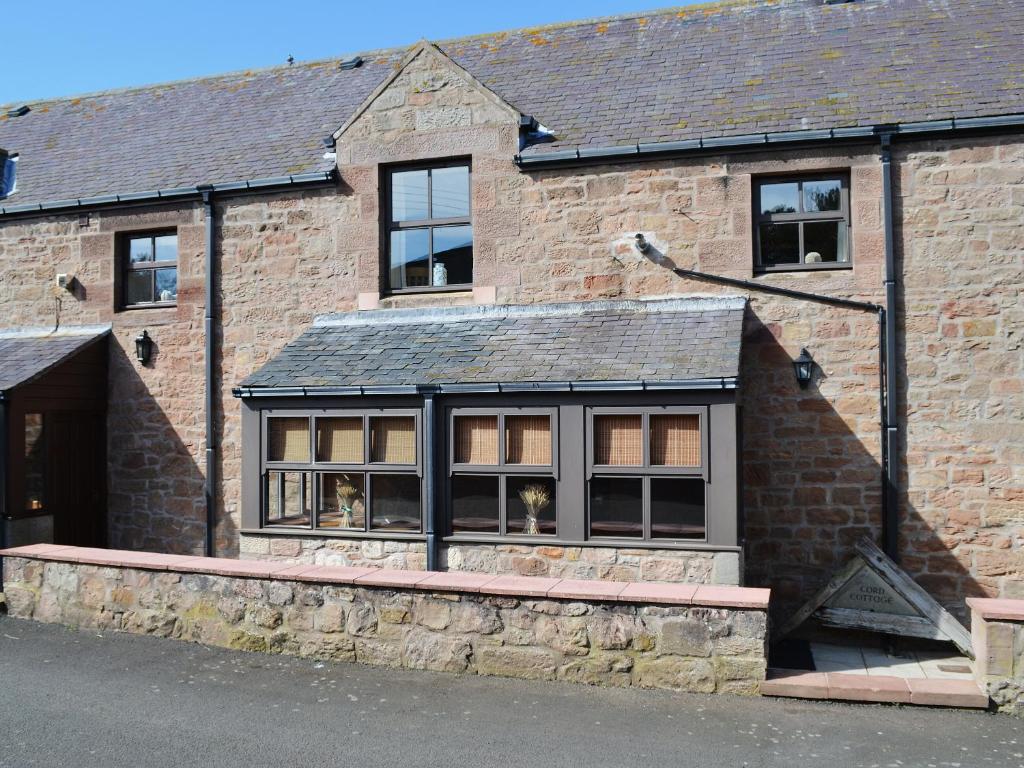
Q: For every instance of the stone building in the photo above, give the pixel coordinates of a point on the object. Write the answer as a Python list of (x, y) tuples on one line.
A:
[(437, 306)]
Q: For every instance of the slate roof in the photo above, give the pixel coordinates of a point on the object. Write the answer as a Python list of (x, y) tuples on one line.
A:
[(706, 71), (25, 356), (655, 342)]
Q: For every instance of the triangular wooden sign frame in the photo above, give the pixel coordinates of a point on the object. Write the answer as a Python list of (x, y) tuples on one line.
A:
[(887, 600)]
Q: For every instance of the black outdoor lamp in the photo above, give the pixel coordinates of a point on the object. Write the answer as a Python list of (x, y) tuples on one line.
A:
[(143, 347), (804, 367)]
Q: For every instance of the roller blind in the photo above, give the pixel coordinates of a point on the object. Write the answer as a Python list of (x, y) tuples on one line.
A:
[(288, 439), (393, 439), (340, 440), (675, 440), (528, 440), (618, 440), (476, 439)]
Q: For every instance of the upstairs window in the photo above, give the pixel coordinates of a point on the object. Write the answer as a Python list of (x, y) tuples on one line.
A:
[(802, 222), (429, 234), (8, 175), (149, 276)]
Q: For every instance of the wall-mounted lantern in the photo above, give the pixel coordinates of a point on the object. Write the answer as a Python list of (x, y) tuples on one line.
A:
[(143, 347), (803, 366)]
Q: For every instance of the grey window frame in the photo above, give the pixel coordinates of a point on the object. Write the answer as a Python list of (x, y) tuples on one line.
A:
[(125, 266), (800, 218), (313, 470), (503, 470), (646, 471), (389, 226)]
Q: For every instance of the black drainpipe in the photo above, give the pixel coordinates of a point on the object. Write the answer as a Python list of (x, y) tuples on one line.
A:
[(430, 486), (890, 446), (211, 436), (4, 405), (884, 381)]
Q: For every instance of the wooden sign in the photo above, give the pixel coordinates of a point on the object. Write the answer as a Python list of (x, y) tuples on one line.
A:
[(872, 593)]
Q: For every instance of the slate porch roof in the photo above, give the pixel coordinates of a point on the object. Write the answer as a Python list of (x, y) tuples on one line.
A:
[(653, 342), (722, 69), (27, 355)]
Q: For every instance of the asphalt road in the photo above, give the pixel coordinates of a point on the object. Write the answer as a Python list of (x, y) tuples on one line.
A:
[(80, 699)]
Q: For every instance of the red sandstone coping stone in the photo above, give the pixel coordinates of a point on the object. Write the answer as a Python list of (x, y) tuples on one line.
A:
[(587, 589), (524, 586), (387, 577), (666, 594), (454, 581), (876, 688), (795, 683), (997, 609), (947, 693)]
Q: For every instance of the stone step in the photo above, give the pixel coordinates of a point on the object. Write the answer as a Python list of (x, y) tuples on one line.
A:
[(838, 686)]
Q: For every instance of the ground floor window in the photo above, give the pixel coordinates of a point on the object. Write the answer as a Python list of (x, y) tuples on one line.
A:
[(570, 472), (355, 471)]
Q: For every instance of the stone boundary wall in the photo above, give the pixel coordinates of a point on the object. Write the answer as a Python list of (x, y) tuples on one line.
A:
[(997, 634), (704, 639), (558, 560)]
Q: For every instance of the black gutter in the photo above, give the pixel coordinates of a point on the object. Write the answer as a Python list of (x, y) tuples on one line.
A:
[(890, 516), (251, 186), (210, 484), (890, 446), (761, 141), (722, 382)]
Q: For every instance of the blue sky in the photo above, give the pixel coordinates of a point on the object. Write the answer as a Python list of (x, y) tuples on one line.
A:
[(64, 47)]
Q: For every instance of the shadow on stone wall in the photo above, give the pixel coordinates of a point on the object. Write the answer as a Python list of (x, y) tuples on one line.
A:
[(812, 485), (155, 484)]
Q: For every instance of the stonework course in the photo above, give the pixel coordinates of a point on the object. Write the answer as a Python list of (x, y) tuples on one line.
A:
[(997, 634), (678, 647)]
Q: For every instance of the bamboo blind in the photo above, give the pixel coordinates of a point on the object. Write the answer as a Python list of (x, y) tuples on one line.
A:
[(476, 439), (528, 440), (393, 439), (618, 440), (340, 440), (288, 439), (675, 440)]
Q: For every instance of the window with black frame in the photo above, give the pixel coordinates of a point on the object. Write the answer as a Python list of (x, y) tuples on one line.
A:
[(503, 472), (429, 232), (646, 474), (149, 275), (347, 471), (802, 222)]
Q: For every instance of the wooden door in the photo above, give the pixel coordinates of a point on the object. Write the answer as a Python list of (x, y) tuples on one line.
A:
[(76, 477)]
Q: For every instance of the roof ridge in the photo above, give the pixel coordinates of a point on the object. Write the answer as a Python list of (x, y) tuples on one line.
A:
[(396, 49), (419, 316)]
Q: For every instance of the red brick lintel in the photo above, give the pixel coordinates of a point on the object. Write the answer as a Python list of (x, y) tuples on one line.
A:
[(432, 581), (995, 609)]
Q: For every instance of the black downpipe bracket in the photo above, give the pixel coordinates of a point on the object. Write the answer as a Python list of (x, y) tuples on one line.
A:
[(210, 346), (889, 517), (430, 489)]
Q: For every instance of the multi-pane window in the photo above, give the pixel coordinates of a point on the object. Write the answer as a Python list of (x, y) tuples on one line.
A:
[(646, 473), (802, 222), (429, 234), (503, 471), (348, 471), (149, 275)]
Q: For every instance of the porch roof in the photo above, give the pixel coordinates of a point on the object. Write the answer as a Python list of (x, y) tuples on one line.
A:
[(26, 354), (684, 342)]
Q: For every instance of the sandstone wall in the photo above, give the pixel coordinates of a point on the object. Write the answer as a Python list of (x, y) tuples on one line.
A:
[(699, 649), (615, 563), (997, 634)]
